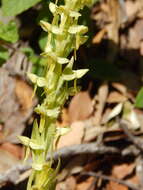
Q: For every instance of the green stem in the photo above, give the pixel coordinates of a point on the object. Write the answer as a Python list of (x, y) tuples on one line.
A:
[(64, 36)]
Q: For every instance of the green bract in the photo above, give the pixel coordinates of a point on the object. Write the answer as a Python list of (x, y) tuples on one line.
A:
[(64, 36)]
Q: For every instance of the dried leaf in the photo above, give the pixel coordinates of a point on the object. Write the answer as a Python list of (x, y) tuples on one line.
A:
[(99, 36), (73, 137), (116, 111), (80, 107), (85, 184), (120, 87), (69, 184), (114, 186), (15, 150), (7, 161), (115, 97), (101, 98), (24, 94), (121, 171)]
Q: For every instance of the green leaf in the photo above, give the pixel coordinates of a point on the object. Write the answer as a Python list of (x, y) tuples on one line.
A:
[(39, 81), (62, 131), (52, 7), (53, 113), (43, 40), (4, 55), (80, 73), (46, 26), (78, 29), (15, 7), (24, 140), (35, 132), (36, 146), (9, 32), (139, 99), (68, 74), (32, 77)]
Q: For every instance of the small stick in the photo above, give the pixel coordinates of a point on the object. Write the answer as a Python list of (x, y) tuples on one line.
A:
[(13, 174), (102, 176), (131, 137)]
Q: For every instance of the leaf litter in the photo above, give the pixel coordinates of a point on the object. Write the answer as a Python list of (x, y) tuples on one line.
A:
[(95, 115)]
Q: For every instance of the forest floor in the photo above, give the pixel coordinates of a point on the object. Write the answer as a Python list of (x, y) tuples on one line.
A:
[(104, 148)]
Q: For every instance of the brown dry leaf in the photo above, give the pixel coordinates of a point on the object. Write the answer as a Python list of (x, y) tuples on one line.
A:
[(115, 97), (132, 8), (120, 87), (7, 160), (74, 136), (134, 180), (121, 171), (101, 98), (115, 186), (15, 150), (99, 36), (114, 15), (69, 184), (24, 94), (14, 95), (113, 28), (136, 35), (85, 184), (80, 107)]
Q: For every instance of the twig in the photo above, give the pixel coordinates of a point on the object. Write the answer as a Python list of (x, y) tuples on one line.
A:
[(89, 148), (13, 174), (131, 137), (102, 176)]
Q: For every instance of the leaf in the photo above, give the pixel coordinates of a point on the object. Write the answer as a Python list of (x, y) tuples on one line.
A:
[(52, 7), (15, 7), (83, 110), (9, 32), (32, 77), (62, 130), (139, 99), (24, 140), (78, 29), (37, 166), (40, 81), (62, 60), (116, 111), (80, 73), (36, 146), (4, 55), (75, 14), (53, 113), (46, 26), (35, 131), (68, 74), (74, 136), (43, 40)]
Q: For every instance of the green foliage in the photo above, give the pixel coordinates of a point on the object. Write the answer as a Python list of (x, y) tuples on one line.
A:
[(43, 40), (9, 32), (4, 55), (139, 99), (14, 7)]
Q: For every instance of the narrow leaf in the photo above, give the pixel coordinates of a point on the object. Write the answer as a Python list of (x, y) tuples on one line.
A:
[(139, 99), (14, 7)]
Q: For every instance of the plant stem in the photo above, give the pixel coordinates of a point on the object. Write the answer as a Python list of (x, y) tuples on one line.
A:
[(64, 36)]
